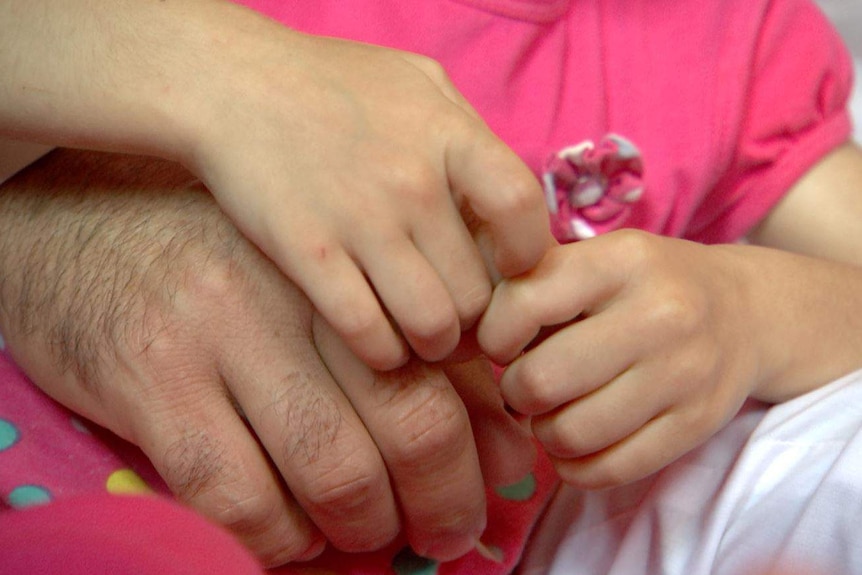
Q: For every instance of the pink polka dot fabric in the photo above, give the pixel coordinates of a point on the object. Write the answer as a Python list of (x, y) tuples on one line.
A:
[(63, 483), (47, 453)]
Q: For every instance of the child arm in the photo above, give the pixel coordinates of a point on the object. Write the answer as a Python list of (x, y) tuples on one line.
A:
[(819, 219), (656, 342), (349, 165)]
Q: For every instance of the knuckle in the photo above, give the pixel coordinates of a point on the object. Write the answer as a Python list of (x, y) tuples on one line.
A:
[(677, 311), (348, 489), (309, 417), (193, 465), (560, 441), (702, 417), (520, 195), (472, 303), (199, 473), (526, 299), (214, 283), (352, 496), (359, 320), (430, 67), (435, 428), (419, 185), (634, 248), (531, 391), (249, 514), (260, 524), (432, 325)]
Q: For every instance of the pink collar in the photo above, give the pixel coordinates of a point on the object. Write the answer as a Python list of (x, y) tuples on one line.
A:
[(542, 11)]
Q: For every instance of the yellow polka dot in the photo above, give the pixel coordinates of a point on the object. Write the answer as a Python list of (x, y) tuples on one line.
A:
[(125, 482)]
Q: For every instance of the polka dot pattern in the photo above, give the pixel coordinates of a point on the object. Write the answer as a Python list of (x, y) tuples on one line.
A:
[(521, 491), (47, 453), (27, 495), (126, 482), (8, 435), (53, 455), (406, 562)]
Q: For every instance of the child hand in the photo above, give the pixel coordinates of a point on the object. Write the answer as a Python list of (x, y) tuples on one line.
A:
[(351, 166), (648, 352)]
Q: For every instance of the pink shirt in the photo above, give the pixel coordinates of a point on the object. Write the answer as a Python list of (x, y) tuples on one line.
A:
[(728, 101)]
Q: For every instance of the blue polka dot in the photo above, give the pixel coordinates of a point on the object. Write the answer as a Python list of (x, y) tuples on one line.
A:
[(406, 562), (8, 435), (28, 495)]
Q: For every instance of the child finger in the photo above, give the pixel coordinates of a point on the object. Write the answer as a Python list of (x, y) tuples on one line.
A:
[(568, 283), (653, 447), (449, 248), (503, 193), (571, 363), (598, 420), (342, 294), (415, 296)]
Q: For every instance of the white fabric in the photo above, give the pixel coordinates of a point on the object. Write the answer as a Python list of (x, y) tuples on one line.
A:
[(847, 16), (778, 484)]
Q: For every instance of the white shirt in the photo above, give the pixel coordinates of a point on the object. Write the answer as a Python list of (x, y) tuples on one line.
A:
[(847, 17)]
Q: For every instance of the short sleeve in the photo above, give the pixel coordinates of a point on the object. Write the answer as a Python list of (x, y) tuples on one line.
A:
[(795, 112)]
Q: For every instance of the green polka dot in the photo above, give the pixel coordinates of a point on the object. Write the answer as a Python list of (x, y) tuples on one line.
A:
[(406, 562), (8, 435), (28, 495), (520, 491)]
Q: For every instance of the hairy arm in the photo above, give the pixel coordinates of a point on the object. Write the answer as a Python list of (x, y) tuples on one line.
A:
[(128, 296)]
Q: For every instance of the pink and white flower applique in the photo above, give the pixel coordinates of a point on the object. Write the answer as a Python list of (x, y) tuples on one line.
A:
[(590, 188)]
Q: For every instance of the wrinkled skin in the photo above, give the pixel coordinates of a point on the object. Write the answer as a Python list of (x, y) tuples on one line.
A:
[(128, 296)]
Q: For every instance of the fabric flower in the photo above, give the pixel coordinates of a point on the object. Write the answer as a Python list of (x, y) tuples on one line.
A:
[(590, 188)]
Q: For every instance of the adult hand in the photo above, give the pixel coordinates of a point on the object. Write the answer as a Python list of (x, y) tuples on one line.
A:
[(351, 166), (128, 296)]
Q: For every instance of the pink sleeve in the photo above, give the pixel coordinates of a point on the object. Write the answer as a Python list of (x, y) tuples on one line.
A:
[(795, 111)]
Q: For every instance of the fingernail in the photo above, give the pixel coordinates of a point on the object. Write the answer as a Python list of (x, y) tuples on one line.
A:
[(316, 548), (451, 549), (494, 554)]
